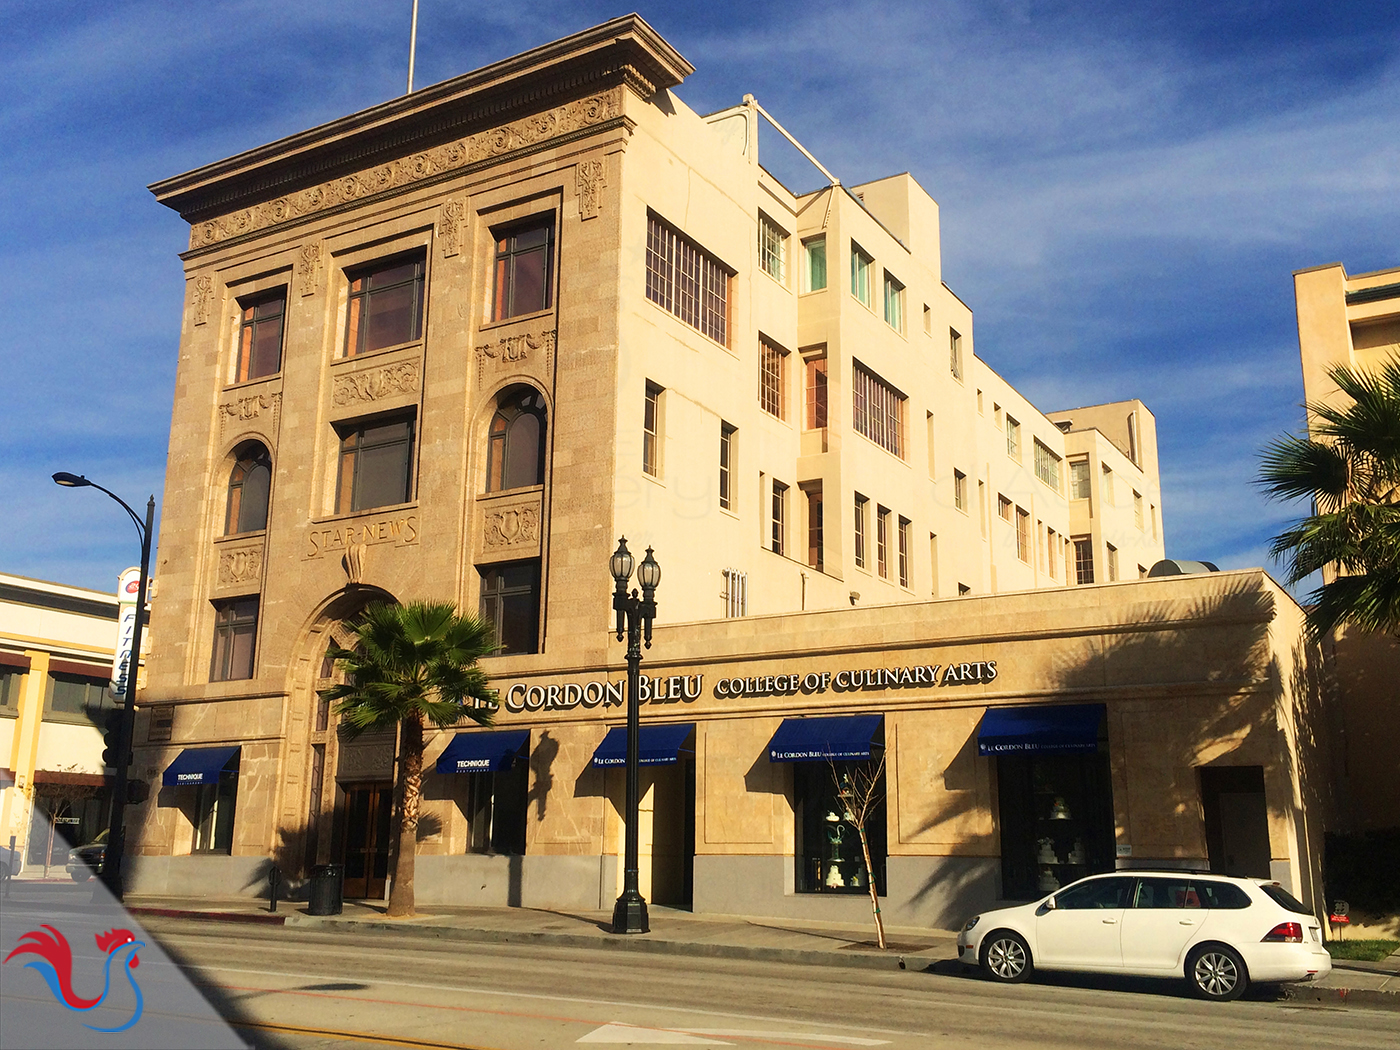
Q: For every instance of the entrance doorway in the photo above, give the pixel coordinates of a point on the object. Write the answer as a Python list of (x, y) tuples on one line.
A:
[(665, 832), (367, 811), (1237, 820)]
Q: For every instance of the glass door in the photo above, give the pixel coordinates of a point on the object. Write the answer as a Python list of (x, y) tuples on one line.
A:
[(367, 812)]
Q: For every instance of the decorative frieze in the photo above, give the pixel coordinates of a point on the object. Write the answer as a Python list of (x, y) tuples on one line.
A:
[(589, 179), (201, 298), (512, 526), (250, 408), (513, 349), (461, 154), (401, 531), (309, 262), (240, 565), (374, 384), (449, 228)]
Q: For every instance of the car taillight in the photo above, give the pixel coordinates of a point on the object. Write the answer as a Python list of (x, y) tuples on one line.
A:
[(1287, 932)]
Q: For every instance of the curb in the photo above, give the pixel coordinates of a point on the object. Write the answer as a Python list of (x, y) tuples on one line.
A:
[(1304, 993), (268, 919)]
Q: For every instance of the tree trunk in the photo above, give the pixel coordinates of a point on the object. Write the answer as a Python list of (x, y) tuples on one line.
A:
[(408, 790), (870, 883)]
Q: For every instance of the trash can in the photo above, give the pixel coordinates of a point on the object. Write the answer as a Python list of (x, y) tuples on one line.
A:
[(327, 883)]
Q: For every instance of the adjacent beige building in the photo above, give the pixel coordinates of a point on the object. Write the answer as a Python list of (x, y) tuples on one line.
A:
[(455, 345)]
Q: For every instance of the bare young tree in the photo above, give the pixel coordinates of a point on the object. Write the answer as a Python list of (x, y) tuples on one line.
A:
[(861, 788)]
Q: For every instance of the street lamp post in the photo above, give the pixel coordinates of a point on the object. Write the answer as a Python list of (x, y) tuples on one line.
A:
[(116, 834), (634, 618)]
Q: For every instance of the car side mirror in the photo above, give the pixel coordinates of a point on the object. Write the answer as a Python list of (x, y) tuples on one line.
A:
[(1049, 904)]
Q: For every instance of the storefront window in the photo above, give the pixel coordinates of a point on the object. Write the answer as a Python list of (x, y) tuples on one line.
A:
[(213, 814), (829, 855), (496, 809), (1056, 820)]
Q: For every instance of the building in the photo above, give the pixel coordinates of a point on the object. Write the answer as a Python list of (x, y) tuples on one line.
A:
[(56, 647), (457, 344), (1354, 322)]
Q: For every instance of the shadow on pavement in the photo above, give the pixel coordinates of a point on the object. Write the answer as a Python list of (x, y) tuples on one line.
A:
[(1172, 988)]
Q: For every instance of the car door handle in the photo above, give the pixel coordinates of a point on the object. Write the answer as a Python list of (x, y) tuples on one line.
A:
[(1186, 922), (1110, 922)]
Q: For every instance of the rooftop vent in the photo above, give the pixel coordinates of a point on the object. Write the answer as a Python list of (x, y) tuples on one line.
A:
[(1169, 567)]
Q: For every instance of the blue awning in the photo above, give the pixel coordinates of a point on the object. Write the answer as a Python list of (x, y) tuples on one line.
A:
[(482, 752), (1039, 730), (842, 738), (198, 765), (658, 745)]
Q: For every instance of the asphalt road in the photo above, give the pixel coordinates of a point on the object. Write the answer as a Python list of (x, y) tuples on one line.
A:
[(302, 989)]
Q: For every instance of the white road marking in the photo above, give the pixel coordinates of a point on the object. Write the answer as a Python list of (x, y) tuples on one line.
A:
[(629, 1034), (854, 1040)]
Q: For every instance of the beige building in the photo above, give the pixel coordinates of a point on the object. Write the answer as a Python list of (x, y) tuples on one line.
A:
[(455, 345), (1354, 321)]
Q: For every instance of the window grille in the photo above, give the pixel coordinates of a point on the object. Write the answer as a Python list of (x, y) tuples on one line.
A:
[(904, 552), (685, 280), (1013, 439), (878, 411), (772, 376), (726, 461), (772, 249), (1084, 560), (651, 431), (1079, 479), (736, 593), (882, 541), (779, 517), (1047, 466), (861, 501)]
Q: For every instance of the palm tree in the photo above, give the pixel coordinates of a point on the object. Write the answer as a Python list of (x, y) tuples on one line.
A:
[(412, 663), (1350, 470)]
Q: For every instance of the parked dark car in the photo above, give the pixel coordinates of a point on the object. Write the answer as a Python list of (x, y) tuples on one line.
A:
[(86, 861)]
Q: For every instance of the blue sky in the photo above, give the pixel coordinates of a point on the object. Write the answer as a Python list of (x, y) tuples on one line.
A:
[(1125, 190)]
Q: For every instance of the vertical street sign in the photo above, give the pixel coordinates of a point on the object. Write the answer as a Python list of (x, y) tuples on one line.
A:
[(128, 586)]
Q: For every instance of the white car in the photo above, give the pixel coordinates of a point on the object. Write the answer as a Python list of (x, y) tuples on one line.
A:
[(1220, 933)]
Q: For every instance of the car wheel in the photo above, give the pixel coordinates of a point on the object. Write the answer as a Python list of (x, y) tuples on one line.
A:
[(1006, 957), (1217, 973)]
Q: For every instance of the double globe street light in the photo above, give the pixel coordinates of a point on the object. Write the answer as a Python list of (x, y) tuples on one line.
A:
[(116, 843), (634, 618)]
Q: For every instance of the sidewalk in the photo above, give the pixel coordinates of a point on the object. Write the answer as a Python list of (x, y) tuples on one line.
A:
[(733, 937)]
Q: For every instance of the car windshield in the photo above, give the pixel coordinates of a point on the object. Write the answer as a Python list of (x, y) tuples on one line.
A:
[(101, 839), (1284, 899)]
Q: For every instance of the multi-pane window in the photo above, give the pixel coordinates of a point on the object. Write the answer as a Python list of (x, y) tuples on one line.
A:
[(1003, 507), (516, 443), (260, 336), (736, 593), (1083, 560), (894, 302), (510, 601), (687, 281), (1112, 562), (386, 305), (955, 361), (235, 632), (772, 249), (878, 410), (1023, 535), (726, 464), (1107, 484), (772, 377), (860, 274), (249, 487), (815, 558), (882, 541), (904, 524), (960, 491), (1079, 479), (1137, 509), (1013, 438), (651, 431), (861, 503), (814, 264), (816, 392), (524, 267), (374, 466), (1047, 465), (9, 687), (77, 696), (779, 535)]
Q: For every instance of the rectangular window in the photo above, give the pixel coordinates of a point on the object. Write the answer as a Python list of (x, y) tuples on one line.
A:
[(1112, 563), (861, 503), (1047, 466), (1023, 535), (260, 335), (860, 274), (1107, 485), (928, 320), (726, 461), (1013, 438), (235, 633), (76, 698), (651, 431), (829, 858), (386, 305), (1137, 510), (510, 601), (904, 524), (1083, 560), (497, 805), (814, 264), (1052, 550), (375, 461), (960, 490), (815, 558), (779, 537), (1132, 437), (982, 515), (772, 378), (928, 422), (882, 541), (878, 410), (1003, 507), (1154, 521), (933, 561), (955, 361), (1079, 479), (736, 593), (816, 391), (894, 302), (213, 813), (772, 249), (524, 269), (315, 785), (687, 281), (9, 687)]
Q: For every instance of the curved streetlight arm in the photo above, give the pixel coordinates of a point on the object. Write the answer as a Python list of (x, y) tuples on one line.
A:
[(83, 482)]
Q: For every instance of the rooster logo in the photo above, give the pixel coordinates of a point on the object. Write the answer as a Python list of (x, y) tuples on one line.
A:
[(55, 965)]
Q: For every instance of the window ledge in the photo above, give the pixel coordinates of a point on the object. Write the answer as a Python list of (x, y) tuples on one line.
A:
[(248, 384), (347, 360), (239, 537), (487, 326), (368, 513)]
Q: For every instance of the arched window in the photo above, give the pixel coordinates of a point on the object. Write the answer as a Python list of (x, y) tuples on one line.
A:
[(515, 454), (248, 489)]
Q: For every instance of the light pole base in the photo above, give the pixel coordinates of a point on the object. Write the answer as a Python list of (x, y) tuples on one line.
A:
[(630, 913)]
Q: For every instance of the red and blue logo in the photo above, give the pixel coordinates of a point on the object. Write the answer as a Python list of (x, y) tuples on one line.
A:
[(55, 965)]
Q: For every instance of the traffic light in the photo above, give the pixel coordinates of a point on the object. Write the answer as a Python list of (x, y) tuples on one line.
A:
[(111, 738)]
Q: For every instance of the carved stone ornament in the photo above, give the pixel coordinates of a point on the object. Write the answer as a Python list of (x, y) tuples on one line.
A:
[(449, 228), (241, 565), (366, 761), (353, 561), (201, 297), (461, 154), (512, 349), (589, 179), (372, 384), (309, 258), (512, 526), (246, 409)]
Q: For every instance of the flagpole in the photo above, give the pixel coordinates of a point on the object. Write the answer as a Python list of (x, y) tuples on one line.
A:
[(412, 46)]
